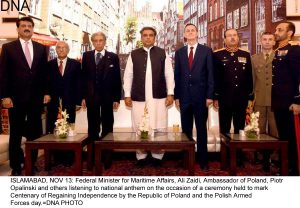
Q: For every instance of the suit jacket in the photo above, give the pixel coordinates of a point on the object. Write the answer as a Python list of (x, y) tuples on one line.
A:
[(286, 77), (24, 85), (196, 84), (262, 78), (67, 86), (111, 77)]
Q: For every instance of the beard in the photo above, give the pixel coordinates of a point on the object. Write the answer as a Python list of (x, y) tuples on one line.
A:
[(280, 38)]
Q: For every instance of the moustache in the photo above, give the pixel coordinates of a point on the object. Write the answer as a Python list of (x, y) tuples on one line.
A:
[(26, 30)]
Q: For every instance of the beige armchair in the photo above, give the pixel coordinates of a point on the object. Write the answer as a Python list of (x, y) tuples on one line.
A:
[(4, 147), (213, 136)]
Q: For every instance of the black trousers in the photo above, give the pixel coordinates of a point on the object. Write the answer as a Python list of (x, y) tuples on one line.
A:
[(226, 114), (199, 112), (286, 131), (99, 115), (25, 121)]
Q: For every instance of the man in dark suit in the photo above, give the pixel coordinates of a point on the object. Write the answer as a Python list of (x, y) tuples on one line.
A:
[(65, 87), (24, 89), (101, 83), (233, 83), (286, 89), (194, 82)]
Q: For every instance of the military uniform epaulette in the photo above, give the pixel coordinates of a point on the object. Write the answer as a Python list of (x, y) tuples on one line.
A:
[(281, 46), (293, 42), (244, 50), (220, 49)]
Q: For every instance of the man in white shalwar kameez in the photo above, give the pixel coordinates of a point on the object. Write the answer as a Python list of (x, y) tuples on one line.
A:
[(149, 81)]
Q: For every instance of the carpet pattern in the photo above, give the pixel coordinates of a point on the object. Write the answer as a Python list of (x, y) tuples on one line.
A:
[(171, 166)]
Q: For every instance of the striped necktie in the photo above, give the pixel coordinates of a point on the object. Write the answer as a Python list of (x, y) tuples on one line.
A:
[(60, 67), (98, 58)]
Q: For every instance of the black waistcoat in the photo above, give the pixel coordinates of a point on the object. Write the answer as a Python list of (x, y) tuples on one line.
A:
[(139, 60)]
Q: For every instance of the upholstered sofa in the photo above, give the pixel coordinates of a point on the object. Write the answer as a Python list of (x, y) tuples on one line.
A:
[(4, 147)]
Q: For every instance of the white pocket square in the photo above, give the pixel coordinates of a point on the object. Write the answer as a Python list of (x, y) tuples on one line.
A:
[(111, 65)]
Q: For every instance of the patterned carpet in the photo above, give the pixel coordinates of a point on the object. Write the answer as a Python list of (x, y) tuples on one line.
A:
[(124, 164)]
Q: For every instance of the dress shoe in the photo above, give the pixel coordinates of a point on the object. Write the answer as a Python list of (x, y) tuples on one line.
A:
[(107, 165), (67, 164), (156, 162), (266, 168), (34, 169), (240, 163), (15, 172), (293, 172), (141, 163), (204, 167)]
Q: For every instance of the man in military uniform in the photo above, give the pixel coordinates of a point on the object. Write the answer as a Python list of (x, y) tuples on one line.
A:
[(262, 80), (285, 89), (234, 84)]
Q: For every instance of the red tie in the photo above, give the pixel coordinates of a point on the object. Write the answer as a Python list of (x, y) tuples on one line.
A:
[(60, 67), (191, 57)]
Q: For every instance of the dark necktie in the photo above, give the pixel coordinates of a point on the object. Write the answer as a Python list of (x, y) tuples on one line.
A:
[(98, 58), (191, 57), (60, 67), (267, 57)]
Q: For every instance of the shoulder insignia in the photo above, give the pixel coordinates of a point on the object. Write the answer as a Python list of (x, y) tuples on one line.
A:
[(294, 43), (244, 50), (220, 49)]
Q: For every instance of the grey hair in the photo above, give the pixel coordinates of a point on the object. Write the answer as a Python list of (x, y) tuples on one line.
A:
[(61, 41), (98, 34)]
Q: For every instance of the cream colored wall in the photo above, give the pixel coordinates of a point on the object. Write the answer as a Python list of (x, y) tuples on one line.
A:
[(123, 119), (10, 28)]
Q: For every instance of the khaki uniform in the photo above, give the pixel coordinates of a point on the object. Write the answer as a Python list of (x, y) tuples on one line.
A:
[(262, 82)]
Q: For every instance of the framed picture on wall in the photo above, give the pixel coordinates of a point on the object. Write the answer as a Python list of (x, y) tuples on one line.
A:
[(236, 19), (293, 9), (244, 15), (229, 20), (276, 5)]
